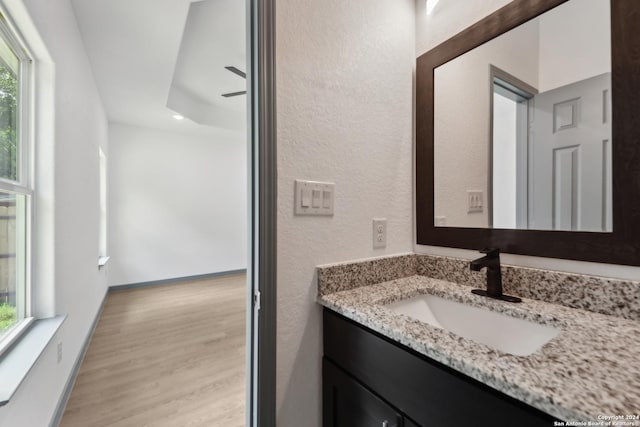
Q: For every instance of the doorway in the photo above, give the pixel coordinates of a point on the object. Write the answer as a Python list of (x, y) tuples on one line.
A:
[(511, 103), (259, 120)]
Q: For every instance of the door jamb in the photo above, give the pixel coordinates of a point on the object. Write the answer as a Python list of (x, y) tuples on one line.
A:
[(261, 319)]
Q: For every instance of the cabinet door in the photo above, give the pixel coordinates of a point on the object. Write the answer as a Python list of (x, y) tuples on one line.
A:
[(428, 392), (346, 403)]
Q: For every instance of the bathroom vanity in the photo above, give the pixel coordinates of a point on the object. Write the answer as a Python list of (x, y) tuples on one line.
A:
[(369, 379), (382, 364)]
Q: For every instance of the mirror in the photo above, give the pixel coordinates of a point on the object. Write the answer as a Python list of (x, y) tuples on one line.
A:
[(579, 196), (526, 120)]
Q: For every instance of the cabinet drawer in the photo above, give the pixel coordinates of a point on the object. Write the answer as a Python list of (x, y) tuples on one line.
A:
[(426, 391)]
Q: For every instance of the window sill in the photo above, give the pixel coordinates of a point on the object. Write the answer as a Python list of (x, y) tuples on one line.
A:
[(23, 355), (14, 335)]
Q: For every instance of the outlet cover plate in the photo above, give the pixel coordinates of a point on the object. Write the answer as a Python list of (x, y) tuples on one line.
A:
[(379, 232)]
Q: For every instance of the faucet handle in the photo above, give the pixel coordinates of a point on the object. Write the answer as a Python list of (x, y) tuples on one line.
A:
[(491, 252)]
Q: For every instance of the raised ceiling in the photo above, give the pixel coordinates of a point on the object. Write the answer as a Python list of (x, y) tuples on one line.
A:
[(154, 58)]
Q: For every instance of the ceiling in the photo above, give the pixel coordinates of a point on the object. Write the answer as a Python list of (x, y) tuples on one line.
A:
[(154, 58)]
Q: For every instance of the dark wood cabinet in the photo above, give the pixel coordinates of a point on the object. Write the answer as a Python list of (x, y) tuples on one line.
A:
[(369, 379), (349, 404)]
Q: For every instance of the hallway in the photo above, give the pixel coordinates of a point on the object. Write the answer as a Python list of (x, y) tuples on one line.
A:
[(171, 355)]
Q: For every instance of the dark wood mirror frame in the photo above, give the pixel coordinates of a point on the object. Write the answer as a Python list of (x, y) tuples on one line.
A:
[(622, 246)]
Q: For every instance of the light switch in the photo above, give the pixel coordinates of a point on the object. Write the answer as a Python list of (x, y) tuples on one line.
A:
[(306, 197), (326, 199), (475, 201), (316, 198)]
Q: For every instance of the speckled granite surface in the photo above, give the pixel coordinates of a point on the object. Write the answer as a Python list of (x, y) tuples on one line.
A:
[(601, 295), (349, 275), (591, 368)]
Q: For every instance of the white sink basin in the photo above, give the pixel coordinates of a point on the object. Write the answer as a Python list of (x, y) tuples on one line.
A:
[(498, 331)]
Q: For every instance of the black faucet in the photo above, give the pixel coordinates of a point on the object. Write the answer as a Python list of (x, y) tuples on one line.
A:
[(494, 276)]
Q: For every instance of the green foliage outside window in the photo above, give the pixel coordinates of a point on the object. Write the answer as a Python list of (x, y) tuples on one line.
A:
[(8, 121), (7, 316)]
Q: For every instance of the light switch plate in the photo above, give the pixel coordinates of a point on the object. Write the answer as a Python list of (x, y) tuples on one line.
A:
[(475, 201), (314, 198)]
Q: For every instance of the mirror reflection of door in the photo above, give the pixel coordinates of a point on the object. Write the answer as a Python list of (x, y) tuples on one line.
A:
[(551, 155), (571, 157)]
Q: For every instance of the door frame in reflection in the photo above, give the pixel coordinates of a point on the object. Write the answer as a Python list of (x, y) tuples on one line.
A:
[(506, 85)]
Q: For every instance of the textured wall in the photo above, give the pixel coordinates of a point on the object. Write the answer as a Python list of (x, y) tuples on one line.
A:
[(344, 76), (177, 204)]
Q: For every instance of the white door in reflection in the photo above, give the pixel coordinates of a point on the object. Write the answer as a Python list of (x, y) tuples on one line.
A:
[(551, 156), (570, 164)]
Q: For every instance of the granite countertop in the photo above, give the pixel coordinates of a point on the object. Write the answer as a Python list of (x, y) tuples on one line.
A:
[(591, 369)]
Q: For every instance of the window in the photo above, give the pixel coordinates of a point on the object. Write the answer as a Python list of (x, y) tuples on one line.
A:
[(15, 187)]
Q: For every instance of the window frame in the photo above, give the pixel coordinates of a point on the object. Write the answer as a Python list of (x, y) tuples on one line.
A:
[(24, 183), (103, 240)]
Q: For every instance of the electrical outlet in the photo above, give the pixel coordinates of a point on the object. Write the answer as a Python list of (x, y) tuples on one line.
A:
[(475, 201), (59, 352), (379, 232), (440, 221)]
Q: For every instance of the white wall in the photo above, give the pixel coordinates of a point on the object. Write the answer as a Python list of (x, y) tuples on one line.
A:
[(177, 204), (344, 87), (431, 31), (78, 286), (574, 38)]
